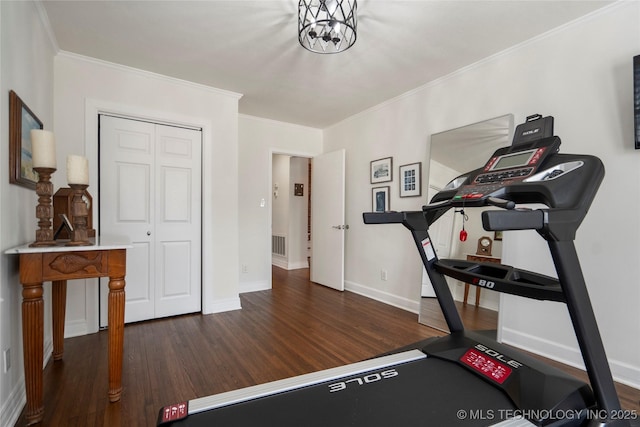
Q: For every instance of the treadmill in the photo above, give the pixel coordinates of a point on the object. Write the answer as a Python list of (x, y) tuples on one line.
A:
[(463, 378)]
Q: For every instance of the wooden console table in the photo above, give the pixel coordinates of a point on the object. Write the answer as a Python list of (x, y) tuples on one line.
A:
[(478, 258), (107, 258)]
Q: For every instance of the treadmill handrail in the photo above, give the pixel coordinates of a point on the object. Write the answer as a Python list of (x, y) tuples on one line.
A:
[(413, 220)]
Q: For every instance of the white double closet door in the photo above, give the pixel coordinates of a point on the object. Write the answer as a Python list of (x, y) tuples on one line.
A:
[(150, 192)]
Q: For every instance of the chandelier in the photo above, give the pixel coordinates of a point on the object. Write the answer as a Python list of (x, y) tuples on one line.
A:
[(327, 26)]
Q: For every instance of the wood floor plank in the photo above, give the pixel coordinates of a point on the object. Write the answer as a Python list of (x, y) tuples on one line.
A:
[(296, 328)]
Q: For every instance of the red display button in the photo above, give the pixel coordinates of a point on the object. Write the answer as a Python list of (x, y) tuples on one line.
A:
[(537, 155), (490, 164), (486, 365), (174, 412)]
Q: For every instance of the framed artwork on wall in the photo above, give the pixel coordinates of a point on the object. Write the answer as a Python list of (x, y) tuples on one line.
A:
[(380, 199), (411, 180), (21, 121), (382, 170)]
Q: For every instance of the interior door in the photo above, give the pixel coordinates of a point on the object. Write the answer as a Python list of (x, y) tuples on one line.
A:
[(328, 219), (150, 192), (178, 229)]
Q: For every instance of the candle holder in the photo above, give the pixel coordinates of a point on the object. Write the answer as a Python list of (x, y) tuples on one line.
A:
[(44, 209), (80, 212)]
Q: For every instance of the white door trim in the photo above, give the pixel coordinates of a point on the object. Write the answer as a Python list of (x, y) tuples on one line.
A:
[(94, 107)]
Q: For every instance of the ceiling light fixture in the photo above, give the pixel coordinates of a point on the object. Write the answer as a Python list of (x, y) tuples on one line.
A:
[(327, 26)]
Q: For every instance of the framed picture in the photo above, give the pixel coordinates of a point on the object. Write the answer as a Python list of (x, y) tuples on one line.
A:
[(411, 180), (380, 199), (382, 170), (21, 121), (497, 235)]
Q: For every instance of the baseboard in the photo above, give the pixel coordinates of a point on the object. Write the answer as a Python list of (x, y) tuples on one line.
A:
[(222, 305), (297, 265), (76, 328), (285, 264), (17, 399), (13, 406), (621, 372), (258, 285), (279, 261), (385, 297)]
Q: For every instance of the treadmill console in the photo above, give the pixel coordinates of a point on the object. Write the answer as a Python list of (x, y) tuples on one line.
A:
[(530, 170), (515, 163)]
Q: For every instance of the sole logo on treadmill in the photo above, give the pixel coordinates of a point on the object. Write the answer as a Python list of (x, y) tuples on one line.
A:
[(498, 356), (367, 379)]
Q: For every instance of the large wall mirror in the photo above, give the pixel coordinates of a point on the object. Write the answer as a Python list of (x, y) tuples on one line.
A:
[(453, 153)]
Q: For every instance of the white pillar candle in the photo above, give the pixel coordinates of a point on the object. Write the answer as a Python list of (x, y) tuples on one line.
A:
[(77, 170), (43, 149)]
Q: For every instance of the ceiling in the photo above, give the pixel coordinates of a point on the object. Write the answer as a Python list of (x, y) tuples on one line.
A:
[(251, 47)]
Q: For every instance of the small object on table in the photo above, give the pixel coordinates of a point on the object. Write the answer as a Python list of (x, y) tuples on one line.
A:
[(78, 178), (44, 209), (43, 146), (79, 212)]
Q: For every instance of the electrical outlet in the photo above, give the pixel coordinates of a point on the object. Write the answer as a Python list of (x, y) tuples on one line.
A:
[(383, 274), (245, 268), (7, 360)]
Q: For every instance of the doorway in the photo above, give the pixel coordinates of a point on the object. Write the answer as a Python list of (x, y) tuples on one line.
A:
[(327, 218), (150, 191), (290, 211)]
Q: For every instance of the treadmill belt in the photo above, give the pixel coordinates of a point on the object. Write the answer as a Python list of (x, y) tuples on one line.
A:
[(426, 392)]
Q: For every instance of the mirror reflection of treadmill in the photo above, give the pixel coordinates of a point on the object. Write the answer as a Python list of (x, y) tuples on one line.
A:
[(477, 141)]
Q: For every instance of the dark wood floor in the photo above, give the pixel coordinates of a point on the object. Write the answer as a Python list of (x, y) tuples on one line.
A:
[(296, 328)]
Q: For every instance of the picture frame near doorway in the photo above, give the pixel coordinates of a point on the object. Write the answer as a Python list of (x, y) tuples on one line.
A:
[(381, 170), (380, 199), (21, 121), (411, 180)]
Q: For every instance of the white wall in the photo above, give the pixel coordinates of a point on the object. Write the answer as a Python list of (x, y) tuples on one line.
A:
[(26, 58), (298, 214), (280, 197), (582, 75), (85, 87), (259, 139)]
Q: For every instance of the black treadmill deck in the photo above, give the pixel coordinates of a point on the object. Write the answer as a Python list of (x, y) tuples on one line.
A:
[(412, 393)]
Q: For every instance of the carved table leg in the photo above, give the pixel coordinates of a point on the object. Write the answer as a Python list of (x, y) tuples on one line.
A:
[(32, 343), (117, 270), (116, 336), (59, 303)]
